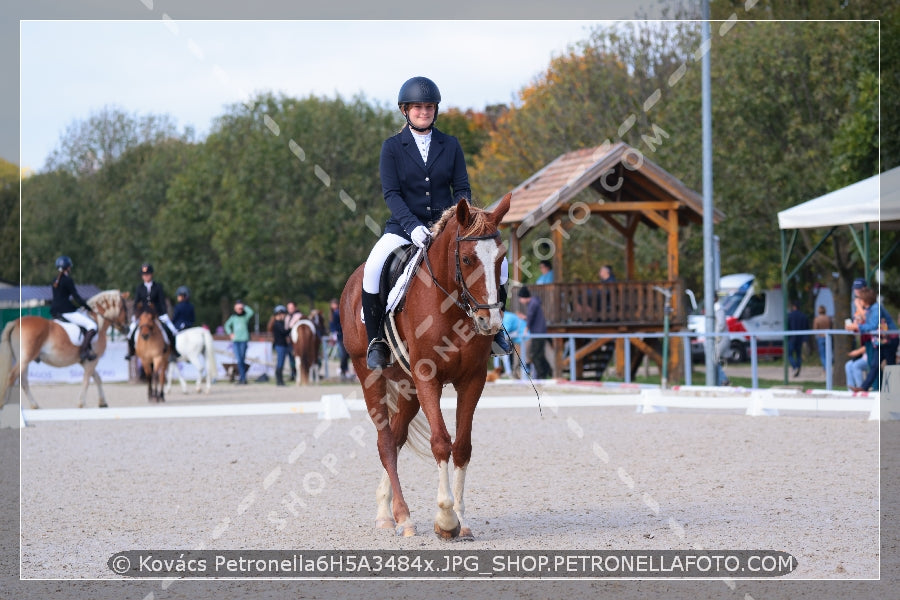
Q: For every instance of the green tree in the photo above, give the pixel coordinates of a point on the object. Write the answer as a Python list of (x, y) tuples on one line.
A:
[(9, 225), (105, 136)]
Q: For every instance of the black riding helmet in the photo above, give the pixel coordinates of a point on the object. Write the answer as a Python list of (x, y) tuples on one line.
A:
[(419, 89), (63, 263), (146, 268)]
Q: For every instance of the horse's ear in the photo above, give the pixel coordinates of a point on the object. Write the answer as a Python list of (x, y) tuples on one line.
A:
[(462, 213), (126, 295), (502, 208)]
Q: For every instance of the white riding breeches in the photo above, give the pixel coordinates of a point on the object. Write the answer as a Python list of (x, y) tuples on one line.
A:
[(81, 319), (379, 255)]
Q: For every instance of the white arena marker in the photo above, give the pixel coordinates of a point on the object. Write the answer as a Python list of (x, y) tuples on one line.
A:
[(334, 407), (648, 406), (761, 403)]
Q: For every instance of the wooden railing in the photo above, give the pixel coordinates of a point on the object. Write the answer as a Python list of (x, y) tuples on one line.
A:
[(620, 304)]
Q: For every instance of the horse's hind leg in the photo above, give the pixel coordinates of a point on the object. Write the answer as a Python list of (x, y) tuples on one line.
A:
[(23, 381)]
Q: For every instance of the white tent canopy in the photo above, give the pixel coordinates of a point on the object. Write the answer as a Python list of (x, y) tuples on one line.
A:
[(872, 200)]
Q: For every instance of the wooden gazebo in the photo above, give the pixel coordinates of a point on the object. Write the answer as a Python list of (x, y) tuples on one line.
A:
[(631, 190)]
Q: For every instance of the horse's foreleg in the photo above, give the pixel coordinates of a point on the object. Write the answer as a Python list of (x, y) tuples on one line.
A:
[(384, 519), (446, 523), (101, 402), (86, 380), (468, 395), (149, 385), (459, 505), (161, 384)]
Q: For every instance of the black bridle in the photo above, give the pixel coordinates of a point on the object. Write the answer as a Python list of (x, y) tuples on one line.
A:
[(466, 300)]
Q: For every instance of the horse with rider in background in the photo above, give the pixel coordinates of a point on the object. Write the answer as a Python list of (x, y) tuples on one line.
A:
[(151, 346), (56, 343)]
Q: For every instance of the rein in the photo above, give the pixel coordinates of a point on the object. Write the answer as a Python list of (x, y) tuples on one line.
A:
[(466, 301)]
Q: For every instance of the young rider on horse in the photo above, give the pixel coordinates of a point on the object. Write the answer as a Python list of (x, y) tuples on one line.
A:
[(423, 172), (151, 293), (62, 307), (183, 313)]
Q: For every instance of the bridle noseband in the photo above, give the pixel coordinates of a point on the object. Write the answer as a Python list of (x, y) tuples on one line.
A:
[(466, 300)]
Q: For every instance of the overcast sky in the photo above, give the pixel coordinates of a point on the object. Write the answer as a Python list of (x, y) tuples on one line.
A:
[(192, 70)]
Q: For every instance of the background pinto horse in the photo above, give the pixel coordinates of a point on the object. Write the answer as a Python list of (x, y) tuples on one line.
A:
[(452, 310), (45, 340), (151, 346), (307, 343)]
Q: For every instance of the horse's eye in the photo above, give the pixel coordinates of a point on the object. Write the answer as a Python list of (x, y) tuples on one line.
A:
[(466, 260)]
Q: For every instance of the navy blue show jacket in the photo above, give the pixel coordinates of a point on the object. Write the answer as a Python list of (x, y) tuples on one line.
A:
[(417, 193)]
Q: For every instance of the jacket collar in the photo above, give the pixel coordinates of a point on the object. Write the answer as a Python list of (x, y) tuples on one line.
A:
[(437, 146)]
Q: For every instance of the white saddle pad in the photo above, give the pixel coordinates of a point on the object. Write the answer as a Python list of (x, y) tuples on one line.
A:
[(72, 330), (399, 289), (302, 323)]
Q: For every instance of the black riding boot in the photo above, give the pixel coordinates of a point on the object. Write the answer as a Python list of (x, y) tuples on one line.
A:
[(86, 352), (501, 346), (279, 378), (172, 343), (377, 354), (130, 349)]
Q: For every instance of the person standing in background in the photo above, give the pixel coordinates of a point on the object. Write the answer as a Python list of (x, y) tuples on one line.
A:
[(822, 321), (336, 335), (293, 315), (238, 329), (279, 342), (797, 321), (537, 324)]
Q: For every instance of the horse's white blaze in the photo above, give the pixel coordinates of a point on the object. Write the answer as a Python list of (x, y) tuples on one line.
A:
[(446, 517), (488, 252)]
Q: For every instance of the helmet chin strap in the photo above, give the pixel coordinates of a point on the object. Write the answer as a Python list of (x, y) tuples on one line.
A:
[(420, 129)]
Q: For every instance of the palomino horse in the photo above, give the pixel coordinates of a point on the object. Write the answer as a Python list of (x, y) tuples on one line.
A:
[(451, 313), (306, 343), (151, 346), (45, 340), (195, 345)]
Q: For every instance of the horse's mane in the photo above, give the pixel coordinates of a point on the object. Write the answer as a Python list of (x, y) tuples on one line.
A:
[(480, 223), (113, 296)]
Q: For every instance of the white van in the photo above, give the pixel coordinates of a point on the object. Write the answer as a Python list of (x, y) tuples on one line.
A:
[(746, 309), (751, 310)]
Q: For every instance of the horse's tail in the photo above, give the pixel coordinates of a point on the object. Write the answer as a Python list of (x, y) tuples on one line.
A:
[(6, 360), (210, 353), (418, 436)]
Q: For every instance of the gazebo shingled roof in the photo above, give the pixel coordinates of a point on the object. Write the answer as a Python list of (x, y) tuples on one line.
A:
[(601, 168)]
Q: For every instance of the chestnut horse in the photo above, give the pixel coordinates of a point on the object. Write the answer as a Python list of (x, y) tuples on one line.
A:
[(452, 310), (306, 347), (151, 346), (36, 338)]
